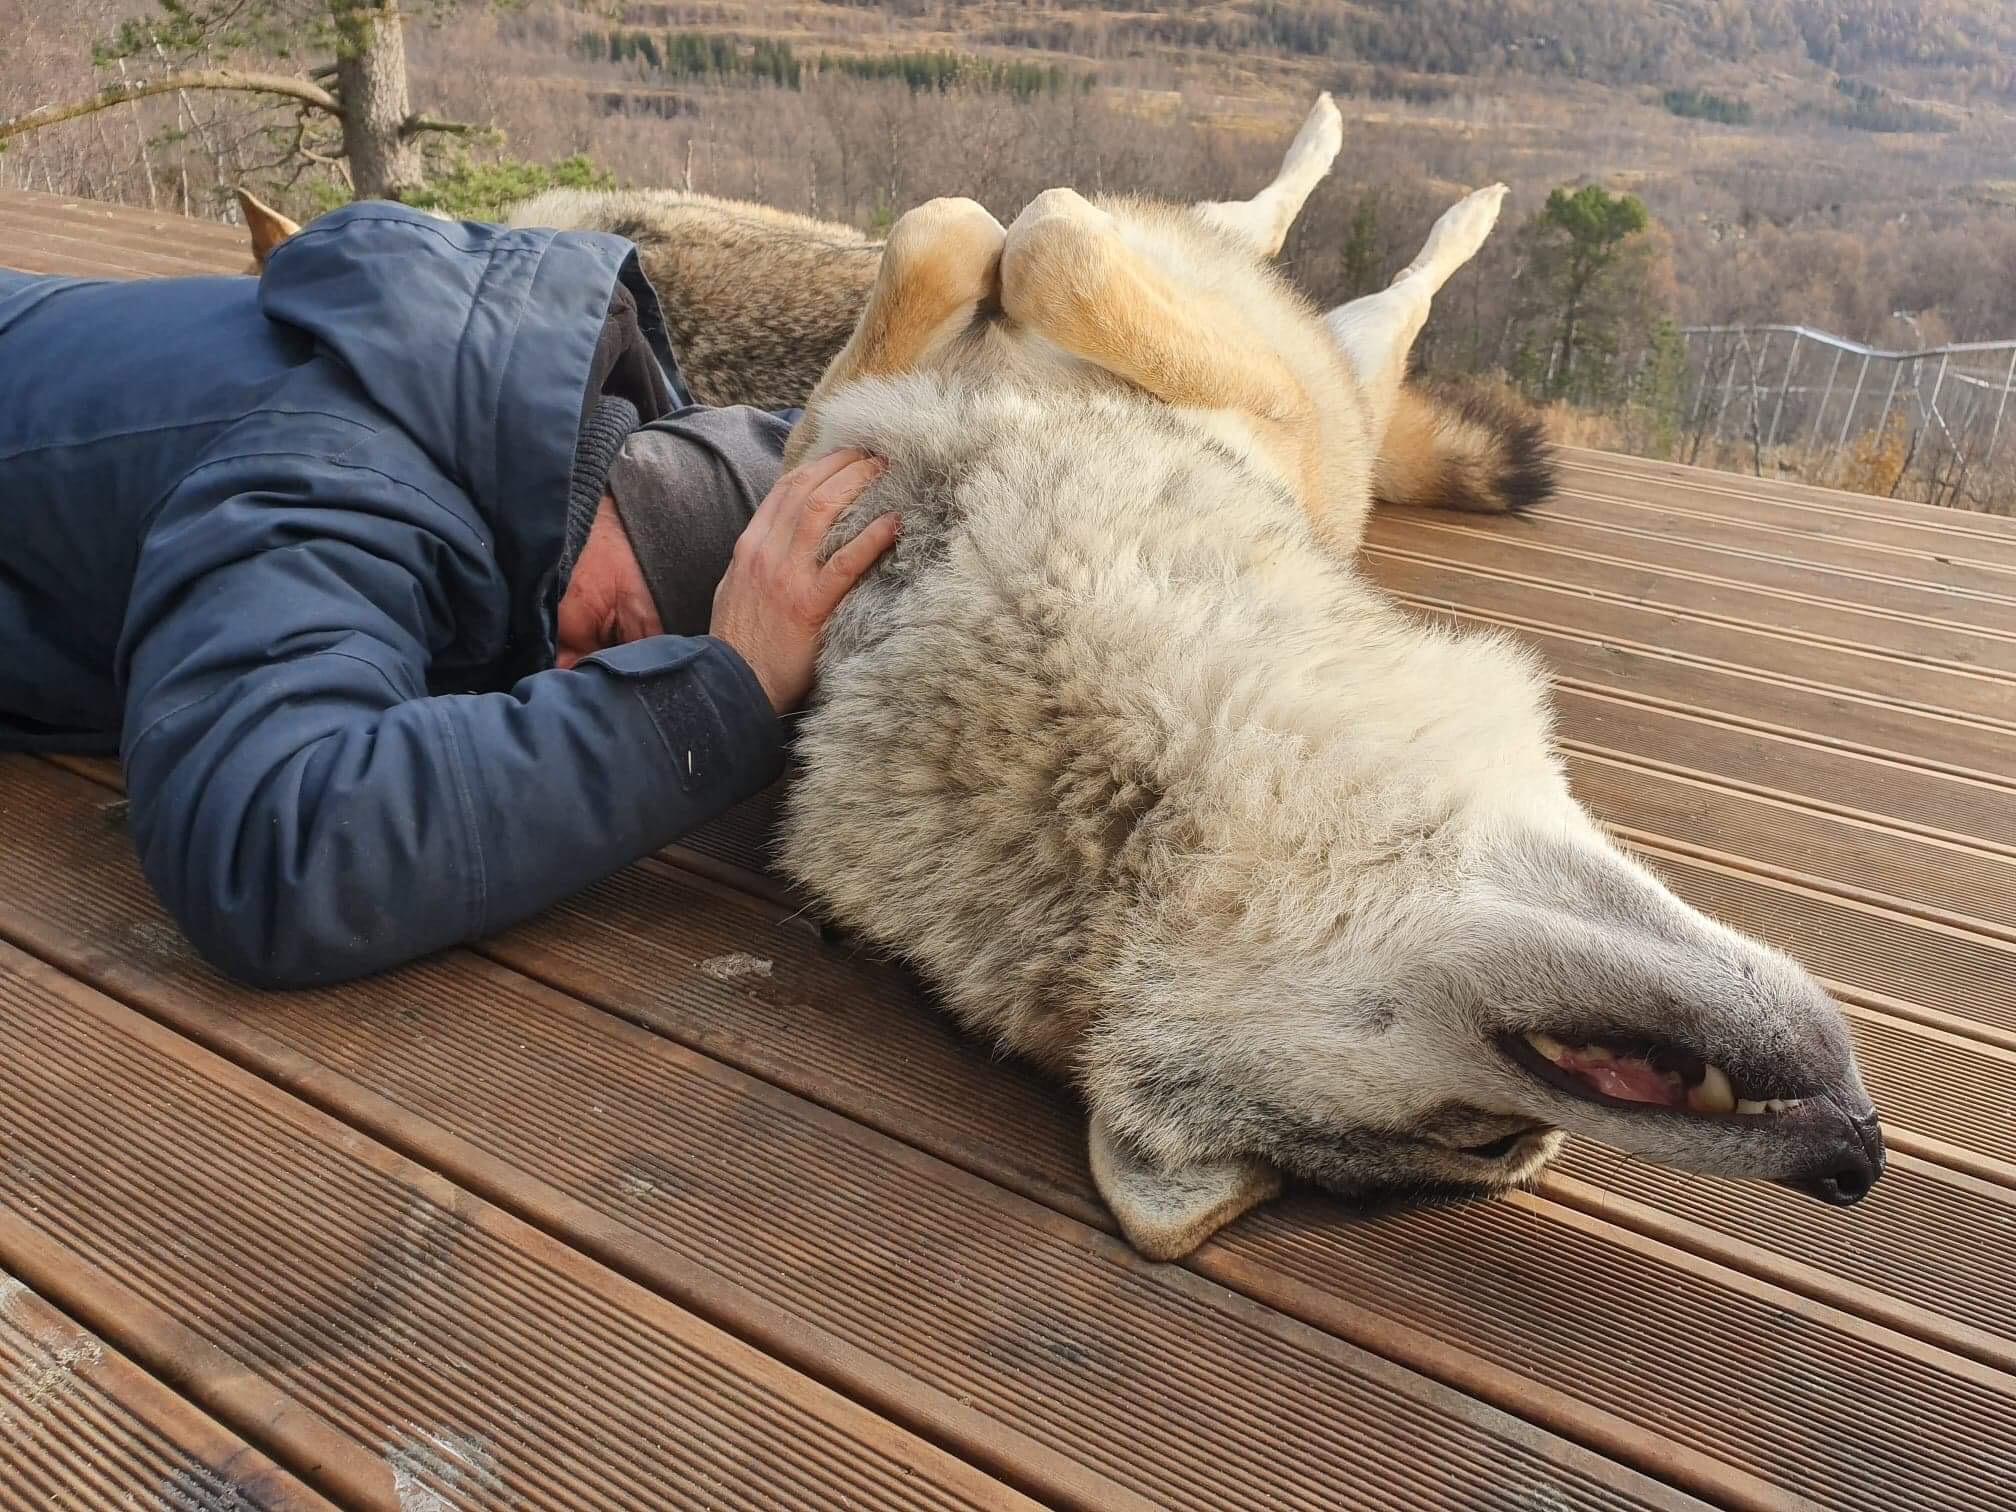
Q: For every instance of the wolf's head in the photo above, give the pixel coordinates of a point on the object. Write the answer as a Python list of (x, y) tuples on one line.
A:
[(1415, 984)]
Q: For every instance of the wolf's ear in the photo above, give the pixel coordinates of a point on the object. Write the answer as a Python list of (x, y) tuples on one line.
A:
[(266, 226), (1166, 1212)]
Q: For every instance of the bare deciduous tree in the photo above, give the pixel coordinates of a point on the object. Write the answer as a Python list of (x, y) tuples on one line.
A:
[(361, 92)]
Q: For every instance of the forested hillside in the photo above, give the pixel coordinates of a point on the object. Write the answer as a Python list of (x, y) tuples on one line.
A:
[(1964, 46)]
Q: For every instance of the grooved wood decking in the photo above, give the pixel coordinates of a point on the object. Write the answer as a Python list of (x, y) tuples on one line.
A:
[(572, 1220)]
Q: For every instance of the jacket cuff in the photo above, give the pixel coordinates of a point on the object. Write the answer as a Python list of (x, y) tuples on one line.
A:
[(721, 737)]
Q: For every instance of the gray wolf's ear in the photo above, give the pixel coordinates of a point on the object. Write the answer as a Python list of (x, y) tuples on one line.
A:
[(266, 226), (1167, 1212)]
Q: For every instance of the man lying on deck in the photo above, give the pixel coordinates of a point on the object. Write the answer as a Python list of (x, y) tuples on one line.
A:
[(401, 626)]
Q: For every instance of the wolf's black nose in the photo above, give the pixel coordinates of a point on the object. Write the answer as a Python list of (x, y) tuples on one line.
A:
[(1848, 1172), (1851, 1164), (1841, 1185)]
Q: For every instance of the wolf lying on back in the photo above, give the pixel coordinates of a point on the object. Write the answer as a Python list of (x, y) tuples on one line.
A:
[(1120, 751)]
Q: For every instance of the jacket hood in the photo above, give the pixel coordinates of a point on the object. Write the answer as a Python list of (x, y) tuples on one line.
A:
[(478, 342)]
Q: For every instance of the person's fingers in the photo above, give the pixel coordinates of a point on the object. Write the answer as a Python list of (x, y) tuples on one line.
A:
[(787, 496), (825, 502), (845, 567)]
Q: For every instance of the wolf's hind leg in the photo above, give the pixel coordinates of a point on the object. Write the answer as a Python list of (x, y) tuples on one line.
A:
[(1262, 222), (1378, 331), (942, 263), (1068, 274)]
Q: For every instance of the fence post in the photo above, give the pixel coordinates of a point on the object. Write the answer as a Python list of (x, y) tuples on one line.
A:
[(1995, 436), (1841, 441), (1784, 387), (1819, 414), (1729, 379)]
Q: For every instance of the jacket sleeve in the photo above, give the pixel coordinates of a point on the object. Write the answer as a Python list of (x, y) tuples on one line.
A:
[(308, 812)]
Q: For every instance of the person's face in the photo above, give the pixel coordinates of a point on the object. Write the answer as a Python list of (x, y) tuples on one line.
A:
[(606, 603)]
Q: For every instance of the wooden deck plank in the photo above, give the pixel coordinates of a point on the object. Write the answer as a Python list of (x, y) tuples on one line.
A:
[(1761, 661), (126, 222), (1925, 557), (82, 1427), (1949, 883), (1916, 1259), (1775, 762), (140, 244), (1743, 488), (127, 227), (1680, 571), (956, 1304), (463, 1353), (46, 233), (1583, 660), (62, 249), (1965, 976), (28, 255), (1648, 576)]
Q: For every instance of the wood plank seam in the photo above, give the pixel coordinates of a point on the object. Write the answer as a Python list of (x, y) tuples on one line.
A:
[(1927, 584), (1650, 841), (80, 1378)]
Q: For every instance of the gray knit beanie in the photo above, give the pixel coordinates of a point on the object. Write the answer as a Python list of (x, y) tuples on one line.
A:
[(608, 426), (685, 488)]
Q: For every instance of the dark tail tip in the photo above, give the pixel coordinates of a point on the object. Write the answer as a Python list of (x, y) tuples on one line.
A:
[(1522, 471)]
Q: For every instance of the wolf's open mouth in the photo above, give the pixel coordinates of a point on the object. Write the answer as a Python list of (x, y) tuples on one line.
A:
[(1659, 1076)]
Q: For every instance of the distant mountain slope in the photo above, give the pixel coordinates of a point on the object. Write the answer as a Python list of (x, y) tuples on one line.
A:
[(1956, 48)]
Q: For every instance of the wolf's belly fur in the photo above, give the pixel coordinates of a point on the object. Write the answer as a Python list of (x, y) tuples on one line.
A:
[(1100, 650)]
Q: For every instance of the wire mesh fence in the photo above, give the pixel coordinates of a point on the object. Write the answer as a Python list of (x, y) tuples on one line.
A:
[(1935, 424)]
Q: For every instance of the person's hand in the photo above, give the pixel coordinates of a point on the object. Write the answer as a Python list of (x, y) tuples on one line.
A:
[(777, 595)]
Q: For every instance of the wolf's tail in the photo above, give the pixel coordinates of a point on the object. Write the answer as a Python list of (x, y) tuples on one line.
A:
[(1454, 445)]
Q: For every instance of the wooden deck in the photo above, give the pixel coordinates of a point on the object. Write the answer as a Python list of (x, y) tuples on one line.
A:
[(659, 1201)]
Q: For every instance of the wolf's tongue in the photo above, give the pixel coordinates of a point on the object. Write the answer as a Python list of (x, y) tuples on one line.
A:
[(1626, 1078)]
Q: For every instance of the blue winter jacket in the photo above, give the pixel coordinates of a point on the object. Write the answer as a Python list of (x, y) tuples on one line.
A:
[(290, 547)]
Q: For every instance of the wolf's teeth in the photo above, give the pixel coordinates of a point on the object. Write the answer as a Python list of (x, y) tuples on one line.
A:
[(1714, 1095), (1783, 1104), (1752, 1105), (1547, 1045), (1596, 1055)]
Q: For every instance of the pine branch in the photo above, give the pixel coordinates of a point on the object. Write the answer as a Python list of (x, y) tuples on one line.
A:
[(414, 125), (290, 85)]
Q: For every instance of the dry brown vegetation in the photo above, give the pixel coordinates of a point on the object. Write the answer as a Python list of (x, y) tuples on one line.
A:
[(1795, 216)]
